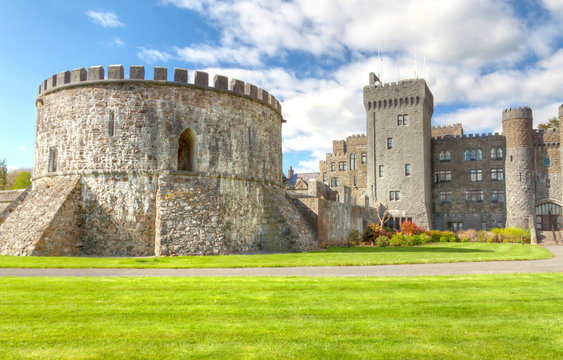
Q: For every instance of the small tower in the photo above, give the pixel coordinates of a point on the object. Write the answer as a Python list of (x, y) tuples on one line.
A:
[(290, 172), (517, 127)]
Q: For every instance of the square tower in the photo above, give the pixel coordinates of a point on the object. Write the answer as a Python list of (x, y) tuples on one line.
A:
[(398, 124)]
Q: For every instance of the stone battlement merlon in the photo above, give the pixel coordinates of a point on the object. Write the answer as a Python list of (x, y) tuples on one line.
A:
[(392, 95), (447, 130), (521, 112), (465, 137), (96, 75)]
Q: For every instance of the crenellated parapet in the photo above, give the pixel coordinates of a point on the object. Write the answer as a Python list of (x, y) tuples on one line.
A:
[(468, 137), (399, 94), (521, 112), (547, 137), (115, 73)]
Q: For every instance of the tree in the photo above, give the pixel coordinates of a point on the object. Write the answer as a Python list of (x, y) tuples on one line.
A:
[(3, 174), (552, 123), (22, 181), (382, 213)]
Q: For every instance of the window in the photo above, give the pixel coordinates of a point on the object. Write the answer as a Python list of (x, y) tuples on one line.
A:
[(324, 177), (474, 195), (391, 195), (445, 156), (394, 195), (497, 174), (476, 175), (407, 169), (334, 182), (496, 154), (111, 123), (442, 176), (52, 165), (364, 158), (497, 196), (186, 151), (457, 226), (499, 154), (402, 120), (473, 154), (389, 143), (332, 167), (445, 196), (353, 161), (342, 166), (547, 183), (381, 170), (546, 161), (355, 180)]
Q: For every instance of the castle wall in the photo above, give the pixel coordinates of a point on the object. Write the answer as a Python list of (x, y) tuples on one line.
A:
[(547, 158), (450, 202), (447, 130), (410, 146), (6, 199)]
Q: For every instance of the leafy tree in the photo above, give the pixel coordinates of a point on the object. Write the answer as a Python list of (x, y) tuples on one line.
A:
[(22, 181), (552, 123), (3, 174)]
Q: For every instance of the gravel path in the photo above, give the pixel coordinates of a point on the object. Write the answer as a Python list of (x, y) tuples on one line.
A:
[(489, 267)]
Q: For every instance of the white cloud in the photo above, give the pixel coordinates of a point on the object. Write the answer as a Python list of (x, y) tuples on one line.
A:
[(151, 55), (114, 42), (210, 56), (107, 19), (22, 148)]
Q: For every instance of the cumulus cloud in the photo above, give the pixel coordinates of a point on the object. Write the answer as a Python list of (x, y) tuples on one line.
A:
[(106, 19), (151, 55), (209, 55)]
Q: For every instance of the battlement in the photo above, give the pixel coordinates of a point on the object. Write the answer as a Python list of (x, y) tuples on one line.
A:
[(447, 130), (549, 136), (115, 73), (484, 136), (521, 112), (397, 94)]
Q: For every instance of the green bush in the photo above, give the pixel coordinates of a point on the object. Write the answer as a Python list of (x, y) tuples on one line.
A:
[(425, 238), (510, 235), (414, 240), (437, 234), (382, 241), (444, 239), (355, 239), (22, 181), (397, 240), (453, 239), (464, 240)]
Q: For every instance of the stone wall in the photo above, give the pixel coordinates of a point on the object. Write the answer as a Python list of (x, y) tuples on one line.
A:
[(447, 130), (7, 197)]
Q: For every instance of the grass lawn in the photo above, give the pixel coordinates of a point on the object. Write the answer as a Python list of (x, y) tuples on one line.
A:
[(337, 256), (445, 317)]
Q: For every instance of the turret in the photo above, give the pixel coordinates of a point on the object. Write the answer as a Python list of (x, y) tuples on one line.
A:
[(517, 126)]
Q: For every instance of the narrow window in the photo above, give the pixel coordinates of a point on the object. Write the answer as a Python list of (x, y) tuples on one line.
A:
[(397, 195), (499, 154), (405, 119), (364, 158), (467, 155), (391, 195), (355, 180), (324, 177), (493, 154), (332, 166), (353, 161), (381, 170), (479, 154), (547, 183), (546, 161), (407, 169), (111, 123), (399, 120), (186, 151), (389, 143), (52, 165), (448, 156)]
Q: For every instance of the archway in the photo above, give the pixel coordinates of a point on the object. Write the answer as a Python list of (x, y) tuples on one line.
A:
[(548, 217), (186, 151)]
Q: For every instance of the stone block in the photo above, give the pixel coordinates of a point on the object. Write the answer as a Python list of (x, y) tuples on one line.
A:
[(237, 86), (137, 72), (221, 82), (251, 90), (78, 75), (63, 78), (201, 79), (180, 75), (96, 73), (51, 82), (115, 72), (161, 73)]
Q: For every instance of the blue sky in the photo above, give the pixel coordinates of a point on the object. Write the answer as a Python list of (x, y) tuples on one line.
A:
[(313, 55)]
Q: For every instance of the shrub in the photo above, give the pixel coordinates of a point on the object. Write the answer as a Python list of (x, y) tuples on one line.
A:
[(397, 240), (453, 239), (409, 228), (464, 240), (425, 238), (414, 240), (444, 239), (469, 234), (438, 234), (510, 235), (355, 239), (372, 232), (486, 236), (382, 241)]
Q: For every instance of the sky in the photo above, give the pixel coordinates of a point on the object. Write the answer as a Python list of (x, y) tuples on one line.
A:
[(478, 57)]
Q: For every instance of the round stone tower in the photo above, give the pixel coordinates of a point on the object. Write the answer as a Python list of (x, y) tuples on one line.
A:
[(517, 126)]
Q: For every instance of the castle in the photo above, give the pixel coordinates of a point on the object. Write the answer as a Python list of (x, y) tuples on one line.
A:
[(442, 179)]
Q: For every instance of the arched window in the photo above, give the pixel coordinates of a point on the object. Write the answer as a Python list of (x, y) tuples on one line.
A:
[(448, 156), (499, 154), (473, 155), (467, 155), (352, 161), (493, 154), (479, 154), (186, 151), (442, 156), (548, 217)]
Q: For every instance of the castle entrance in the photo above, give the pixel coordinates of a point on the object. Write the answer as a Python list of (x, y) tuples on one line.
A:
[(548, 217), (186, 153)]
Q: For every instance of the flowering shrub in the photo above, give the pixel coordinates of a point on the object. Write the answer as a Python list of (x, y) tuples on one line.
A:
[(409, 228), (372, 232)]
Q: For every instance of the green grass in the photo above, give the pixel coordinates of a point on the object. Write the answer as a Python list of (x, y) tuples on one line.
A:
[(445, 317), (338, 256)]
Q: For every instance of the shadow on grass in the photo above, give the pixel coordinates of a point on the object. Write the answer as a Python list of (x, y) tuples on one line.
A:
[(415, 249)]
